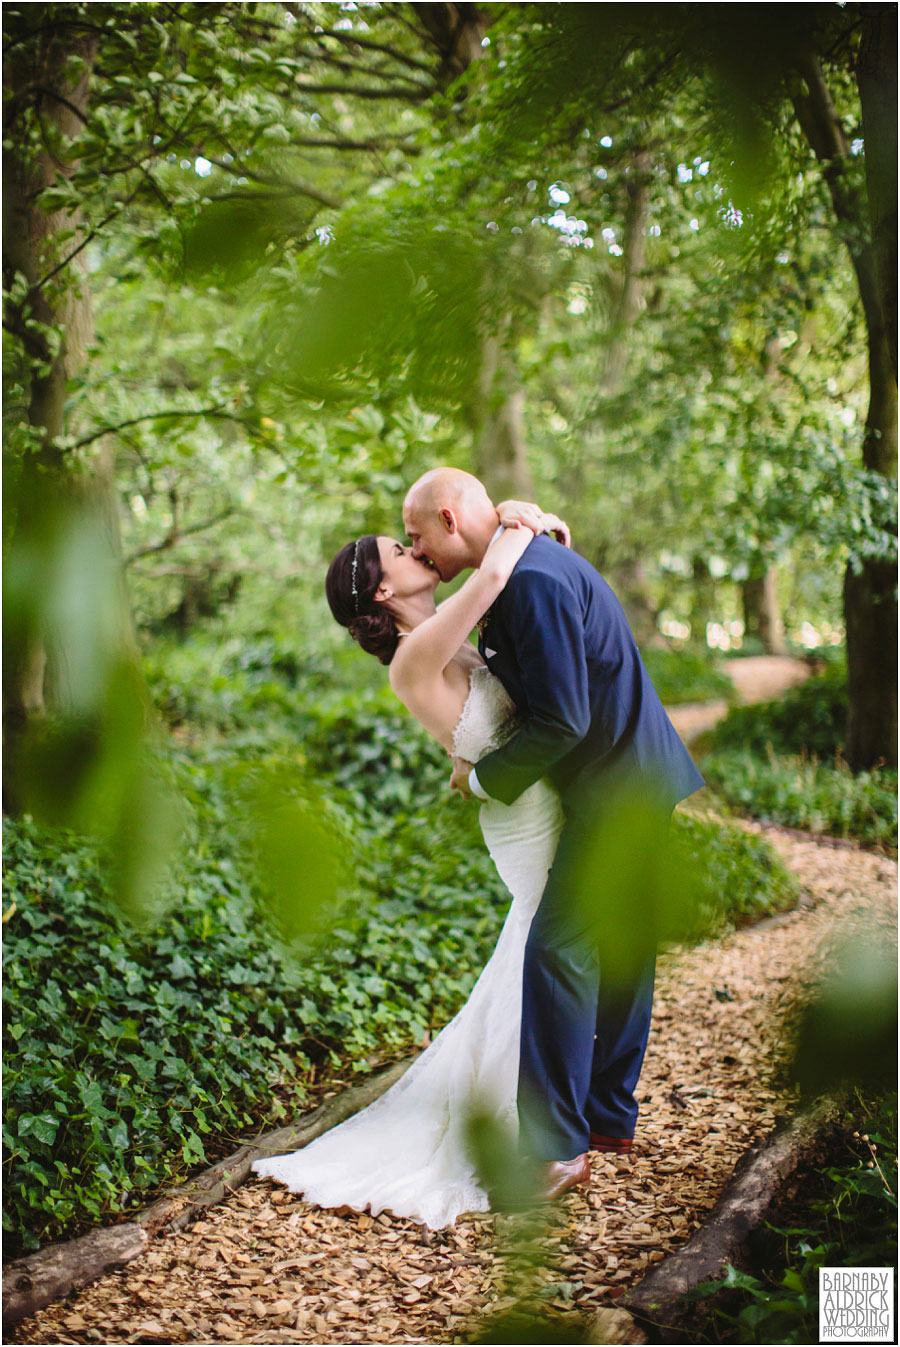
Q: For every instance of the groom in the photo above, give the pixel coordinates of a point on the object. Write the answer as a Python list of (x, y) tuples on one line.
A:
[(591, 723)]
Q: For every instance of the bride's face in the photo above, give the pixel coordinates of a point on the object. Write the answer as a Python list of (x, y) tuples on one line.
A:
[(404, 574)]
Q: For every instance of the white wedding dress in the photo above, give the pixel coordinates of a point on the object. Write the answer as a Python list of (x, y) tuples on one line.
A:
[(406, 1153)]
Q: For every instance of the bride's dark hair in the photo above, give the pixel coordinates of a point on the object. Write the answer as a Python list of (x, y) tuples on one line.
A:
[(350, 585)]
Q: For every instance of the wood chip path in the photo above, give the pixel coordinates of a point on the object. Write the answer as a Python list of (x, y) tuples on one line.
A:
[(264, 1267), (756, 678)]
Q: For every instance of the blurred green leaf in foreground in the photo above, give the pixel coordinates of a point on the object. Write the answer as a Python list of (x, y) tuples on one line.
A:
[(87, 765), (848, 1034)]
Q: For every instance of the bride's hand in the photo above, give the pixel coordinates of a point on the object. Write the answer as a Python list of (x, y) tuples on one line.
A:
[(511, 512)]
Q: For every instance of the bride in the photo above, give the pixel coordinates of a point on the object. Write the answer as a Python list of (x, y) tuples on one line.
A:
[(407, 1151)]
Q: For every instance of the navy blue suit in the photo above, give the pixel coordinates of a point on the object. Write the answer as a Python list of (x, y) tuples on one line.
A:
[(593, 725)]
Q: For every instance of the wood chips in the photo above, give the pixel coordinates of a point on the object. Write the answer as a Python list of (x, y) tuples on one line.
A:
[(264, 1267)]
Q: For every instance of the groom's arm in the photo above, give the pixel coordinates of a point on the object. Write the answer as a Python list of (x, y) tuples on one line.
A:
[(544, 622)]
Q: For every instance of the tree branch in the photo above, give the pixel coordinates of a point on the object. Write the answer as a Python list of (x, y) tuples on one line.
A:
[(396, 12), (176, 534), (354, 68), (214, 413), (336, 143), (287, 186), (356, 91), (354, 40), (91, 234), (51, 93), (217, 411)]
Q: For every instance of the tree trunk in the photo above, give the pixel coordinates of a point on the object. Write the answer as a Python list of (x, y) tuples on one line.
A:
[(637, 208), (628, 576), (870, 608), (870, 597), (633, 592), (496, 416), (457, 32), (62, 306), (876, 76), (704, 599), (762, 613)]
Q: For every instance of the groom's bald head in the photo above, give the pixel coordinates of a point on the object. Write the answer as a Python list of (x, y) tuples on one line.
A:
[(450, 519), (446, 486)]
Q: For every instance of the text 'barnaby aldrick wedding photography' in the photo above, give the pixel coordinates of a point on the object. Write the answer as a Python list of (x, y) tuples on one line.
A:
[(856, 1304)]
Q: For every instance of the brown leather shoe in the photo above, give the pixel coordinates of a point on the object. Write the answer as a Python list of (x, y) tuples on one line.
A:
[(615, 1145), (559, 1176)]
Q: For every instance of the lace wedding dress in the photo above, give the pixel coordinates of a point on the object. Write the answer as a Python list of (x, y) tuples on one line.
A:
[(406, 1152)]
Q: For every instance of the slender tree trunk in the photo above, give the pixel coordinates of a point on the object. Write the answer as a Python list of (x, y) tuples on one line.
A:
[(759, 592), (703, 599), (637, 209), (498, 433), (762, 613), (628, 577), (870, 609), (633, 591), (870, 605)]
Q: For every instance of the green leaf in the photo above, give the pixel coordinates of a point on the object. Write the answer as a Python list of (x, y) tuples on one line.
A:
[(42, 1126)]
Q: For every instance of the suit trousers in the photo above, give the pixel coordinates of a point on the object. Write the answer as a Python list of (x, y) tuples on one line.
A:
[(588, 984)]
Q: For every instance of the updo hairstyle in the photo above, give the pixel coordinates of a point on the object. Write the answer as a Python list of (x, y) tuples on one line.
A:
[(368, 622)]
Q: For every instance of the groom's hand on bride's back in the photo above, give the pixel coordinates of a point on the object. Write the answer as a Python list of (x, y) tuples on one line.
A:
[(459, 779), (557, 528)]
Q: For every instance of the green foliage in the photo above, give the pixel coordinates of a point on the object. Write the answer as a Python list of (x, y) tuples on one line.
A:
[(85, 767), (681, 676), (845, 1215), (781, 761), (125, 1050), (735, 877), (727, 438), (805, 793), (810, 719), (258, 237)]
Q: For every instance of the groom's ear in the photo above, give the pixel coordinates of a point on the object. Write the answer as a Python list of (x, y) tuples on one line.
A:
[(448, 519)]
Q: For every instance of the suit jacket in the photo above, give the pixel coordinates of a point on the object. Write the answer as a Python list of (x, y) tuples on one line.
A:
[(558, 640)]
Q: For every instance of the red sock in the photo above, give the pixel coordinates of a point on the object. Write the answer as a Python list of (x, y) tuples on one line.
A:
[(618, 1145)]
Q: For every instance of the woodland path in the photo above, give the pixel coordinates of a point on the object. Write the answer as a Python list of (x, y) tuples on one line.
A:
[(264, 1267), (758, 678)]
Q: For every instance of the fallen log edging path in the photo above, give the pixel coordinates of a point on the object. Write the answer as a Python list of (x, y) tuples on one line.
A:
[(263, 1266), (758, 1180), (31, 1283)]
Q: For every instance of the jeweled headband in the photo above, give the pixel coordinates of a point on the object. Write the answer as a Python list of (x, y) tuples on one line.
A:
[(353, 588)]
